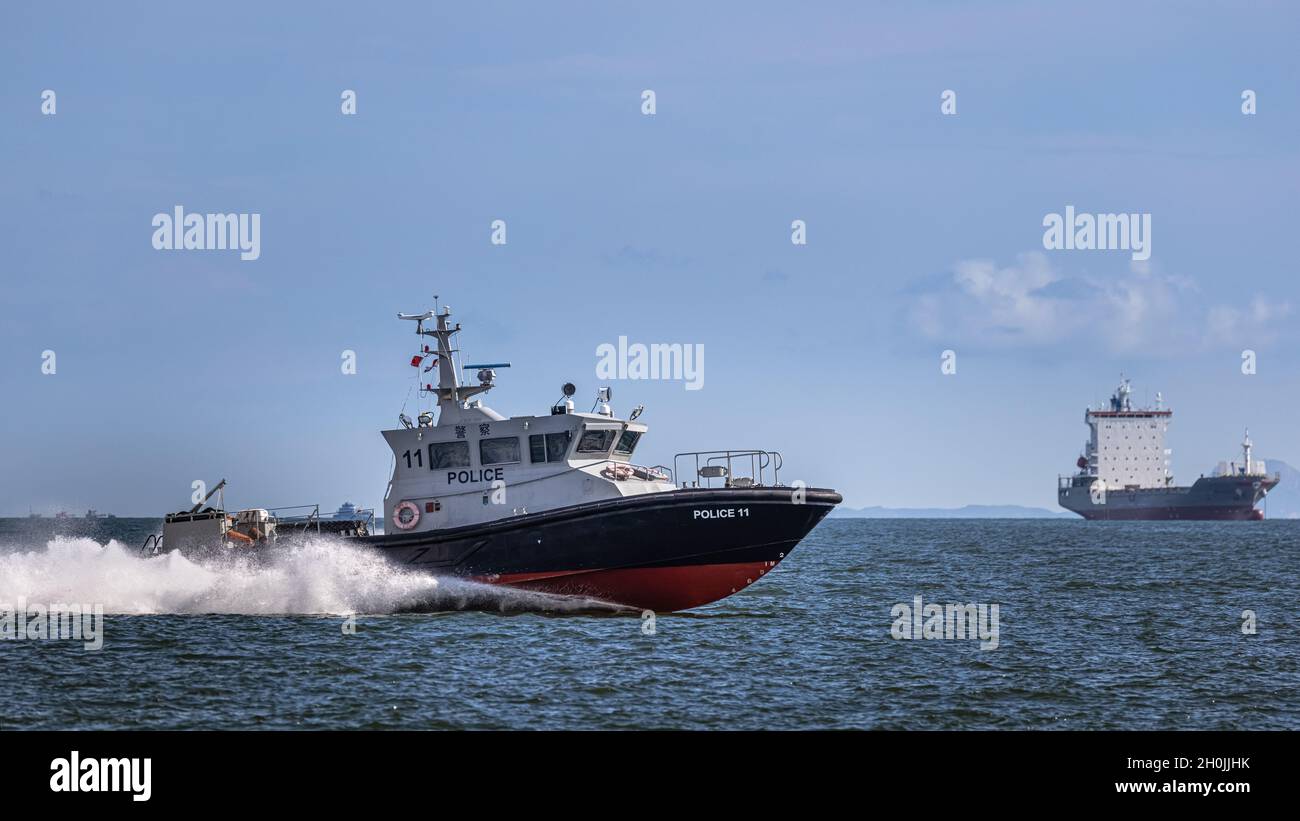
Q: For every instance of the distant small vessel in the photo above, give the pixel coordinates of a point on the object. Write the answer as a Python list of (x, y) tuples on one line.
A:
[(203, 527), (348, 512), (1124, 471), (32, 515), (63, 514), (94, 514)]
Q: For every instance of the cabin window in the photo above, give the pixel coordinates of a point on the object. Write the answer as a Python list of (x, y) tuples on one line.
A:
[(549, 447), (449, 455), (596, 441), (627, 442), (498, 451)]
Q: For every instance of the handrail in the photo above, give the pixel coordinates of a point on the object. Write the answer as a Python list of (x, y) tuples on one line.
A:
[(648, 473), (759, 463), (586, 467), (156, 540)]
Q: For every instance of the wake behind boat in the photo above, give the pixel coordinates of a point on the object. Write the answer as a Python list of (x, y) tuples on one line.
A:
[(554, 503)]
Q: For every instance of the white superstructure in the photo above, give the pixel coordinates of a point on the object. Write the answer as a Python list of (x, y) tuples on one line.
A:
[(1126, 446), (471, 465)]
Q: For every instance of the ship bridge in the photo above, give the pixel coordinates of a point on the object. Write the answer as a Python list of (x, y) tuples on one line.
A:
[(468, 464), (1126, 445)]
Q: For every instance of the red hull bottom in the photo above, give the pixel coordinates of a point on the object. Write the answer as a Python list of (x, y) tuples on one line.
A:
[(1167, 514), (662, 589)]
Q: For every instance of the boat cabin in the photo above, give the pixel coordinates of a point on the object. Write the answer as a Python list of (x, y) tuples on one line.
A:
[(471, 465)]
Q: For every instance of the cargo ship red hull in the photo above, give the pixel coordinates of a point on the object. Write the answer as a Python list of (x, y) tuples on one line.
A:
[(1173, 513), (1210, 498)]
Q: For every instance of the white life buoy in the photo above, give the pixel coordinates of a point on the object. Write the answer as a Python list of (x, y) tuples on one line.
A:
[(410, 520)]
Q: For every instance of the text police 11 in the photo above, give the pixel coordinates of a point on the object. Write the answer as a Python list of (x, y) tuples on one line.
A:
[(723, 513)]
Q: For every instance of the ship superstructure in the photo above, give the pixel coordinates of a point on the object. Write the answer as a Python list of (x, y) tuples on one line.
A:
[(1124, 471), (1126, 445), (467, 464)]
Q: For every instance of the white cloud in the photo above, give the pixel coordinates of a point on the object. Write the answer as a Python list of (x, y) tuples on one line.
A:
[(1032, 304), (1253, 325)]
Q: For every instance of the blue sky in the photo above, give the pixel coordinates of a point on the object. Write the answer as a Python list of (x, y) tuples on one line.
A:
[(924, 234)]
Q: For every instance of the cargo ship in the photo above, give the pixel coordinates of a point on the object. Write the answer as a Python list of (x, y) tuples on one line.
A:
[(552, 502), (1124, 471)]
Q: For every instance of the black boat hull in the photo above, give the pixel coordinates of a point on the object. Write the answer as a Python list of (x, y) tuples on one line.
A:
[(663, 551)]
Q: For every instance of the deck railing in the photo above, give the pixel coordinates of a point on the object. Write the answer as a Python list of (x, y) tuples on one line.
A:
[(712, 466), (312, 520)]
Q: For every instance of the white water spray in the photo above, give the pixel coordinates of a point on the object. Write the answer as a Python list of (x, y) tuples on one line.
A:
[(314, 576)]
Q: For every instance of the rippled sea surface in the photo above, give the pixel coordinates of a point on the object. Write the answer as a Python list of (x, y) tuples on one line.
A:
[(1101, 625)]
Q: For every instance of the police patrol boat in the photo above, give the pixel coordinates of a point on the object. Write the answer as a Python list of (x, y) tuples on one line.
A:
[(555, 503)]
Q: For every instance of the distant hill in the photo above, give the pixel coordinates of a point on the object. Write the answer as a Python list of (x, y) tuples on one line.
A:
[(1283, 502), (966, 512)]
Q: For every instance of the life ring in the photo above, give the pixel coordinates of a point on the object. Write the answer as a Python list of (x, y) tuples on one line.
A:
[(240, 537), (406, 524)]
